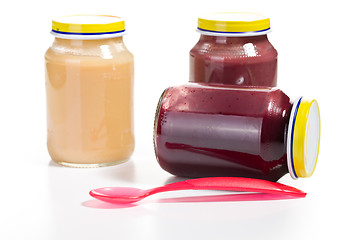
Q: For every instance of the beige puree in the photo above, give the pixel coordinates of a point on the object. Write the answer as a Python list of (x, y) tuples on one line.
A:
[(89, 87)]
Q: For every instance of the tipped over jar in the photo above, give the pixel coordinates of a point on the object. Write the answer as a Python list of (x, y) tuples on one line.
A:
[(204, 130), (234, 49)]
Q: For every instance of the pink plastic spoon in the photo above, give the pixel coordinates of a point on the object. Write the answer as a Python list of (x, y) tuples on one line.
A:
[(122, 195)]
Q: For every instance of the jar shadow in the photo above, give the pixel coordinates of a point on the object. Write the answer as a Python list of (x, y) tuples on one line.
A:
[(174, 179), (54, 164), (121, 172)]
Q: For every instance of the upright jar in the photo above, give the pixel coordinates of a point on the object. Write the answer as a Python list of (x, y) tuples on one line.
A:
[(234, 49), (89, 89), (204, 130)]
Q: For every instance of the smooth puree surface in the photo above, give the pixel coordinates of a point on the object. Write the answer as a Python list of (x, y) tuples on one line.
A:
[(204, 130), (89, 86), (245, 61)]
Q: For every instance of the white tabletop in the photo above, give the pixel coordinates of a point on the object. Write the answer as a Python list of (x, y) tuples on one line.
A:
[(43, 200)]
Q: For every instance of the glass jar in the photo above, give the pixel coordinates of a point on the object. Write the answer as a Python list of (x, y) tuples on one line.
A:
[(234, 49), (204, 130), (89, 89)]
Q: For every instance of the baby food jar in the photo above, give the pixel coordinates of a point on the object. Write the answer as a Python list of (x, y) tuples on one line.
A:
[(234, 49), (204, 130), (89, 89)]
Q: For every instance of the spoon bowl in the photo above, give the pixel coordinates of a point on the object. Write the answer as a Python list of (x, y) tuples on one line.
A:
[(117, 195)]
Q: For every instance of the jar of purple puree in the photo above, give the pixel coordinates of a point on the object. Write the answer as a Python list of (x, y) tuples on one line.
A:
[(234, 49), (204, 130)]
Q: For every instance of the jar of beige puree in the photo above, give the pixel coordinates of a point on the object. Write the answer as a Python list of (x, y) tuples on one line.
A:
[(89, 89)]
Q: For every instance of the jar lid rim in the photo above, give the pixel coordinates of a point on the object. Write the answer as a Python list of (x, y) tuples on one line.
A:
[(303, 138), (234, 22), (88, 26), (233, 34)]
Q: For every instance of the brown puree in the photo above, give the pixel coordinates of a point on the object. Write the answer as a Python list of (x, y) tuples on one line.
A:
[(245, 61)]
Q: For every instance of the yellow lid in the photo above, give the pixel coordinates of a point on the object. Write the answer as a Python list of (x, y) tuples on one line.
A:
[(303, 138), (241, 23), (88, 26)]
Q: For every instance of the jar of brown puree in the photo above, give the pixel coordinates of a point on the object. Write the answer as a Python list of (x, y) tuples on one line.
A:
[(234, 49), (89, 89)]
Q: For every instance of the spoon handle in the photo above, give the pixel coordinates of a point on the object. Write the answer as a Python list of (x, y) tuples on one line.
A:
[(231, 184)]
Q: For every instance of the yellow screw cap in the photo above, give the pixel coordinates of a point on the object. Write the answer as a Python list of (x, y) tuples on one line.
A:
[(88, 26), (234, 23)]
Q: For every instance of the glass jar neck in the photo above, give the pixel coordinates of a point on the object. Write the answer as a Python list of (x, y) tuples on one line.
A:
[(232, 39), (87, 43), (105, 48)]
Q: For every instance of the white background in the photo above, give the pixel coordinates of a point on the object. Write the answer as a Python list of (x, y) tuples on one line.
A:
[(318, 45)]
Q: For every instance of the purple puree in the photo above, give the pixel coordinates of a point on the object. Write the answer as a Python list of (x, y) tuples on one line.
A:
[(207, 130), (246, 61)]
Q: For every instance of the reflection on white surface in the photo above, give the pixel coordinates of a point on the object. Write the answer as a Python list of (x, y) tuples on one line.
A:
[(75, 214), (53, 204)]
